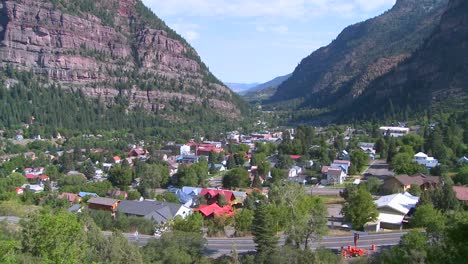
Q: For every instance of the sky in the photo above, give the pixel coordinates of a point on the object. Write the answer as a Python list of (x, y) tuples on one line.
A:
[(254, 41)]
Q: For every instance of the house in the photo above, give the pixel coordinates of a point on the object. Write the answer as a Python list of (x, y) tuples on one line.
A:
[(344, 155), (117, 194), (212, 196), (75, 208), (19, 191), (185, 150), (35, 171), (76, 173), (294, 171), (461, 192), (138, 153), (103, 204), (117, 159), (394, 131), (32, 188), (463, 160), (333, 175), (188, 159), (423, 159), (214, 210), (70, 197), (159, 212), (345, 164), (403, 182), (84, 194), (393, 209), (218, 167), (366, 145)]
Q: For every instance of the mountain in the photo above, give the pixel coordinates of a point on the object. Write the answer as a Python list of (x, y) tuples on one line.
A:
[(433, 79), (117, 53), (335, 75), (240, 87), (264, 90)]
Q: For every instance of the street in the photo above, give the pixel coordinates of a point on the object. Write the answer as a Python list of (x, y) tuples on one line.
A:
[(220, 246)]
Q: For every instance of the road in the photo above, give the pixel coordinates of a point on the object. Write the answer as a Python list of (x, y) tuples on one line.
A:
[(219, 246), (378, 168)]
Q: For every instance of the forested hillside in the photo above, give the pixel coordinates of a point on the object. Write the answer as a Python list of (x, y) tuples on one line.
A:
[(336, 74), (433, 80), (122, 66)]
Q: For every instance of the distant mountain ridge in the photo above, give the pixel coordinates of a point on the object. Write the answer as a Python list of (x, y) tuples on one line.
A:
[(264, 90), (339, 73), (240, 87)]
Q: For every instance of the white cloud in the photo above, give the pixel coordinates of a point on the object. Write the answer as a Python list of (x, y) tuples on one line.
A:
[(280, 29), (292, 9)]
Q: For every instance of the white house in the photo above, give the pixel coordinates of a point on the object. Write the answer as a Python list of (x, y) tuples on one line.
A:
[(424, 159), (463, 160), (394, 131), (185, 150), (33, 188), (333, 175), (393, 208), (294, 171)]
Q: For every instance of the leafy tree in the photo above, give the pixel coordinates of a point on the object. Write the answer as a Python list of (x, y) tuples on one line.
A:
[(359, 160), (186, 176), (133, 195), (429, 217), (284, 162), (119, 250), (415, 190), (360, 208), (231, 162), (120, 176), (462, 176), (168, 197), (175, 247), (243, 221), (278, 175), (191, 224), (57, 238), (403, 163), (257, 183), (263, 230), (373, 184), (236, 178)]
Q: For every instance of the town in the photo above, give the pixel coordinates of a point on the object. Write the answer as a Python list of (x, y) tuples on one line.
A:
[(364, 182)]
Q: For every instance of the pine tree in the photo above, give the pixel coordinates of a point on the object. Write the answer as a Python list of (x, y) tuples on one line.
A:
[(263, 230)]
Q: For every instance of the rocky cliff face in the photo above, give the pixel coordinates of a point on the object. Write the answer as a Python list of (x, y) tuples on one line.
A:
[(340, 72), (108, 48)]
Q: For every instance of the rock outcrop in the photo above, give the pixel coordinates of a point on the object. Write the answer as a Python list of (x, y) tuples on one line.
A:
[(113, 48)]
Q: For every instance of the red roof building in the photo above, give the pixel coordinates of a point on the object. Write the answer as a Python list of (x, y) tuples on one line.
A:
[(461, 192), (215, 210), (295, 157), (211, 195)]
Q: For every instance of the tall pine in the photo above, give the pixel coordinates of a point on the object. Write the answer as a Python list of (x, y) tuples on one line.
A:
[(264, 231)]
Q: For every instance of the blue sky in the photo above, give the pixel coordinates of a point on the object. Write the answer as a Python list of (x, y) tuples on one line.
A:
[(250, 41)]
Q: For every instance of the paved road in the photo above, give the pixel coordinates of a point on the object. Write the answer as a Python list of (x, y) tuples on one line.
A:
[(219, 246), (378, 168)]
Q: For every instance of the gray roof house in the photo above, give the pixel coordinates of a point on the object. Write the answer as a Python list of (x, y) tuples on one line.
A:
[(159, 212)]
